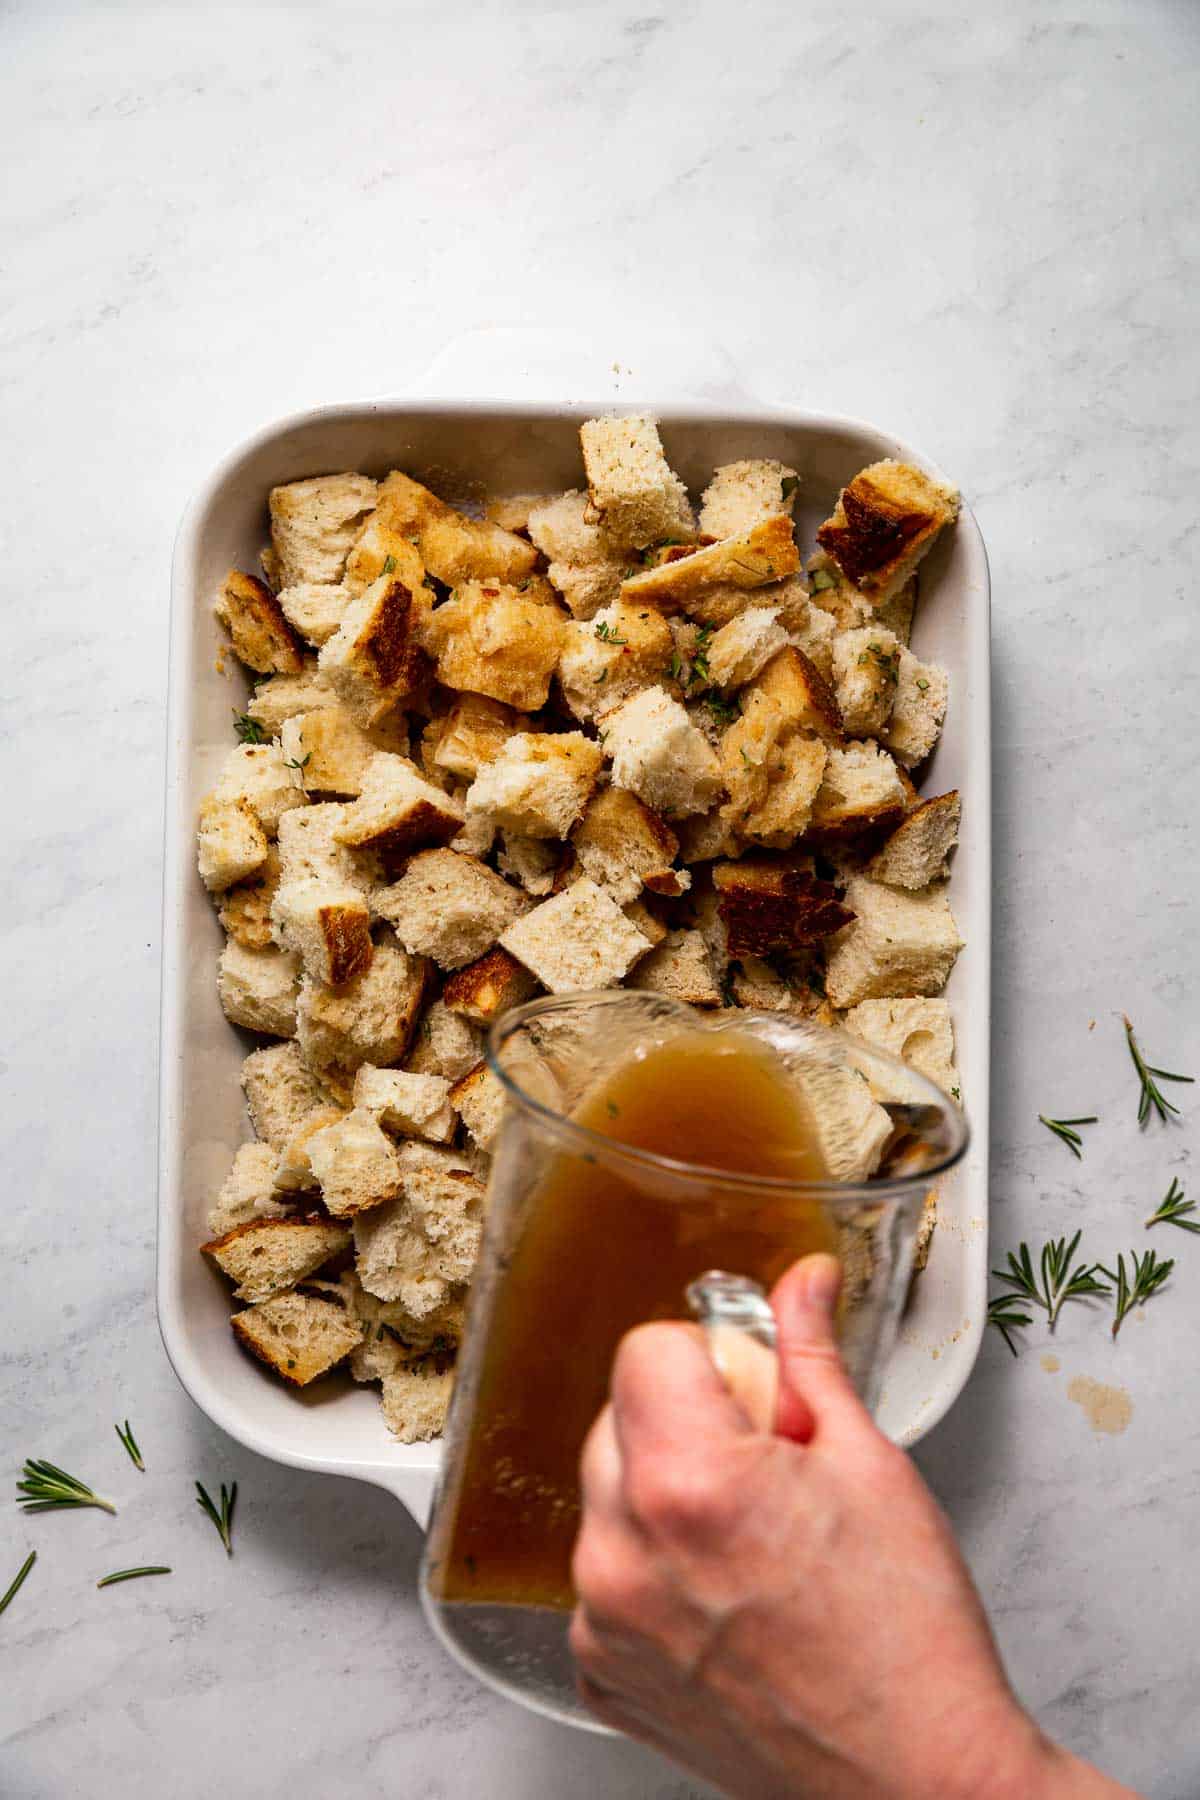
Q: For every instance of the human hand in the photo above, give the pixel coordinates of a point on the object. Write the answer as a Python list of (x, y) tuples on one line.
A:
[(787, 1614)]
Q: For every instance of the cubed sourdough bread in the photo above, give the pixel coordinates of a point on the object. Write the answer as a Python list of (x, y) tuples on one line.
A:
[(355, 1163), (659, 755), (744, 494), (916, 853), (884, 522), (259, 988), (280, 1091), (260, 636), (398, 812), (370, 1019), (899, 945), (445, 1043), (538, 784), (315, 522), (405, 1104), (449, 907), (576, 940), (248, 1191), (416, 1400), (633, 491), (231, 845), (300, 1335), (920, 1032), (488, 987), (258, 775), (266, 1255), (679, 967)]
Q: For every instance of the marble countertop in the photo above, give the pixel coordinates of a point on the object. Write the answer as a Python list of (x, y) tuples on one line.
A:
[(973, 231)]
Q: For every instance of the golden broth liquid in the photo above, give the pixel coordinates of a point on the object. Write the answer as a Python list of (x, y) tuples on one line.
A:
[(595, 1254)]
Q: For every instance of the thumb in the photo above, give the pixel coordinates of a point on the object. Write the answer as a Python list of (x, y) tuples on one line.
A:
[(815, 1391)]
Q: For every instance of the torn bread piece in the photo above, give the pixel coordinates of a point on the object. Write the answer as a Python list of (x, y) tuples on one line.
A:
[(679, 967), (808, 625), (258, 774), (231, 845), (294, 1174), (327, 751), (282, 697), (852, 1128), (472, 734), (300, 1335), (632, 490), (884, 522), (370, 1019), (624, 846), (620, 651), (512, 511), (416, 1400), (742, 649), (315, 609), (281, 1090), (356, 1164), (309, 849), (659, 755), (265, 1255), (315, 522), (861, 790), (258, 988), (770, 904), (899, 945), (576, 940), (795, 683), (448, 906), (479, 1101), (451, 546), (405, 1104), (851, 609), (502, 642), (260, 636), (328, 924), (765, 553), (917, 851), (920, 1032), (444, 1043), (539, 784), (488, 987), (248, 1191), (585, 566), (398, 812), (866, 669), (795, 771), (744, 494), (533, 863), (374, 659), (918, 711)]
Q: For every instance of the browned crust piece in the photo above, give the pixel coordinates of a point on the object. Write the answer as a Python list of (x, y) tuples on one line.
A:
[(765, 553), (261, 1351), (807, 698), (857, 829), (770, 906), (348, 940), (913, 823), (259, 632), (245, 909), (452, 546), (427, 827), (488, 987), (872, 534), (387, 645)]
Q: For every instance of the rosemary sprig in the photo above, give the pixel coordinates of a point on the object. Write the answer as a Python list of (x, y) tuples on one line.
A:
[(222, 1519), (1151, 1095), (1172, 1207), (1062, 1129), (18, 1578), (1003, 1313), (132, 1574), (248, 730), (1148, 1276), (1059, 1282), (46, 1487), (131, 1444)]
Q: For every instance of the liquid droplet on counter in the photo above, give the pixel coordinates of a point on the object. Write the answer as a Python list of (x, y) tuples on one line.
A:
[(1051, 1363), (1107, 1409)]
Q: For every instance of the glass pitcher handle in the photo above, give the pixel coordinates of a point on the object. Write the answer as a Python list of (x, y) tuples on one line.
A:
[(739, 1327)]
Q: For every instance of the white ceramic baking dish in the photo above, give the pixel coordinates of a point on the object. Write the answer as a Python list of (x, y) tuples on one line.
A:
[(463, 447)]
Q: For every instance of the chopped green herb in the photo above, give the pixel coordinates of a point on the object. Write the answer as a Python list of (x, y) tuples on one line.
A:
[(956, 1092), (820, 579), (290, 762), (602, 676), (612, 1107), (745, 758), (1172, 1208), (728, 997), (132, 1574), (922, 684), (248, 730), (608, 634), (389, 565)]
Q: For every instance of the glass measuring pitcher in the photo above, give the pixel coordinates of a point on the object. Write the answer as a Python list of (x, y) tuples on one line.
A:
[(588, 1235)]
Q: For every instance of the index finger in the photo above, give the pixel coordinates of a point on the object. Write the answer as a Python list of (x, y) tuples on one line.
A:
[(667, 1395)]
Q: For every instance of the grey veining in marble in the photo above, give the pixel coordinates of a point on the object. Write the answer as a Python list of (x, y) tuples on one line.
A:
[(975, 225)]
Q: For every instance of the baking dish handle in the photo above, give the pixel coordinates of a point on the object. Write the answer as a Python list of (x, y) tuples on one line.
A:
[(556, 365), (413, 1488)]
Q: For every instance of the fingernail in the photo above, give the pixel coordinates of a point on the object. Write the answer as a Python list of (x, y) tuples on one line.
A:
[(822, 1279)]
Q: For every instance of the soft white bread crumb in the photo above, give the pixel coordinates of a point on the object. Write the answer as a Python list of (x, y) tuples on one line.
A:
[(917, 850), (920, 1032), (539, 783), (245, 909), (742, 648), (502, 642), (810, 628), (258, 989), (444, 1043), (257, 775), (852, 1128), (511, 511), (452, 547), (866, 671), (300, 1335), (449, 907), (743, 494), (398, 811), (633, 491), (265, 1255), (919, 709), (284, 696), (532, 863), (327, 923), (391, 1333), (861, 787), (793, 681), (623, 845), (314, 523), (327, 750), (446, 1202), (659, 755), (472, 734), (479, 1101), (585, 565), (230, 843), (260, 636), (679, 968), (355, 1164), (851, 608), (899, 945), (711, 584), (488, 987), (405, 1104), (294, 1172), (477, 833), (374, 655), (369, 1020), (280, 1091), (576, 940), (416, 1401), (248, 1191), (607, 658), (315, 608), (309, 848), (884, 522), (394, 1262)]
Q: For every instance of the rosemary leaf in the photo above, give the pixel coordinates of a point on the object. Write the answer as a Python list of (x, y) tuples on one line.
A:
[(132, 1574), (1151, 1095), (1062, 1129), (130, 1442), (47, 1488), (222, 1518), (1171, 1209), (18, 1578)]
